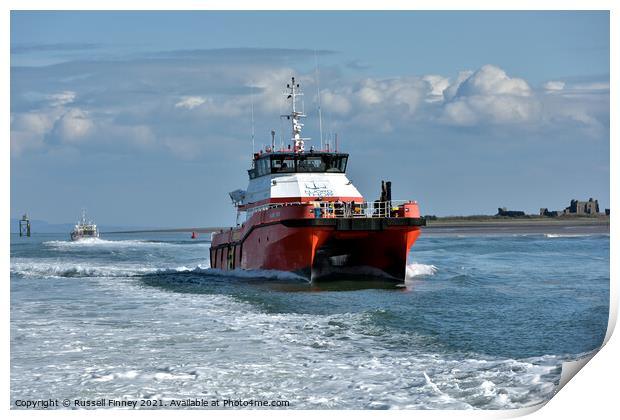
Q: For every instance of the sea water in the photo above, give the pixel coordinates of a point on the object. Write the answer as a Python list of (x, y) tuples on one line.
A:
[(481, 322)]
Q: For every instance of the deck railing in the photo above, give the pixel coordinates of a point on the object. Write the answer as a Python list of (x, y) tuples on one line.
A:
[(337, 209)]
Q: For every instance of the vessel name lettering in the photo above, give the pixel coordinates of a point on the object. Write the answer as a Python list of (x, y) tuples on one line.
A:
[(319, 193)]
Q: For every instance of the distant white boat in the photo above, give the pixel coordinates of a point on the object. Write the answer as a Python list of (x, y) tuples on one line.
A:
[(84, 229)]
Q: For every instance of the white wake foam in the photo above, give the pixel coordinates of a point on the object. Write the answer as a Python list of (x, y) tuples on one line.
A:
[(567, 235), (104, 243), (72, 269), (56, 269), (417, 270)]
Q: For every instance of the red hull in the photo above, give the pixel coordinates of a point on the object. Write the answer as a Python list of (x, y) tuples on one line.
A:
[(292, 239)]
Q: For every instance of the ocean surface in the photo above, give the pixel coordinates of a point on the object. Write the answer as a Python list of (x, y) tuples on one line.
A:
[(482, 322)]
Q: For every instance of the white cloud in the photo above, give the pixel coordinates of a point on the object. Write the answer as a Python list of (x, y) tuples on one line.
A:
[(334, 102), (28, 129), (592, 86), (485, 97), (121, 117), (401, 96), (62, 98), (460, 113), (438, 85), (73, 126), (450, 92), (36, 122), (190, 102), (490, 96), (554, 86), (370, 92), (32, 130), (492, 80)]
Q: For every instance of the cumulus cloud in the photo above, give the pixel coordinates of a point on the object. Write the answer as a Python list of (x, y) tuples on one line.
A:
[(489, 95), (73, 126), (334, 102), (450, 92), (190, 102), (28, 130), (485, 96), (492, 80), (122, 106), (401, 96), (438, 85), (53, 123)]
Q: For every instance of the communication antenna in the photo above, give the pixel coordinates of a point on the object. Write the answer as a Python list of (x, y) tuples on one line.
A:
[(252, 111), (281, 126), (318, 94)]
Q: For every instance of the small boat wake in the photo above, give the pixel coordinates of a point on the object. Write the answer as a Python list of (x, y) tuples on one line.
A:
[(126, 243), (572, 235)]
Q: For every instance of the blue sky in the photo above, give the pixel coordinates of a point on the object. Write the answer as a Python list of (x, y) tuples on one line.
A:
[(144, 117)]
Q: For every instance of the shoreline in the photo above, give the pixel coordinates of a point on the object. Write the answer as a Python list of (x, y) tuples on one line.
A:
[(522, 226), (456, 225), (518, 220)]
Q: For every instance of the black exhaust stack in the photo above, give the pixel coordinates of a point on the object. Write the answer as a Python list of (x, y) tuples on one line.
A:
[(386, 191)]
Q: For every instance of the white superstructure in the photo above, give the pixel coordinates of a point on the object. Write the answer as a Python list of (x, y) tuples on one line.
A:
[(295, 173), (300, 185)]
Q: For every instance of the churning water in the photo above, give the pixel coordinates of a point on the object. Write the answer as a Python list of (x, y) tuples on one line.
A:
[(481, 322)]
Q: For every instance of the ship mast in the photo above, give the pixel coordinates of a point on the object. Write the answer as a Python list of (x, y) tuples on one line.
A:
[(295, 116)]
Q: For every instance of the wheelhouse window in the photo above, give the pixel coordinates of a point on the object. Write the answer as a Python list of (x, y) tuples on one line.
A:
[(306, 162), (335, 163), (282, 164), (310, 164), (263, 167)]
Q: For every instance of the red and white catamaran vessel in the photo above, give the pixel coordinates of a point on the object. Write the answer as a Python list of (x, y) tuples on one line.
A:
[(303, 215)]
